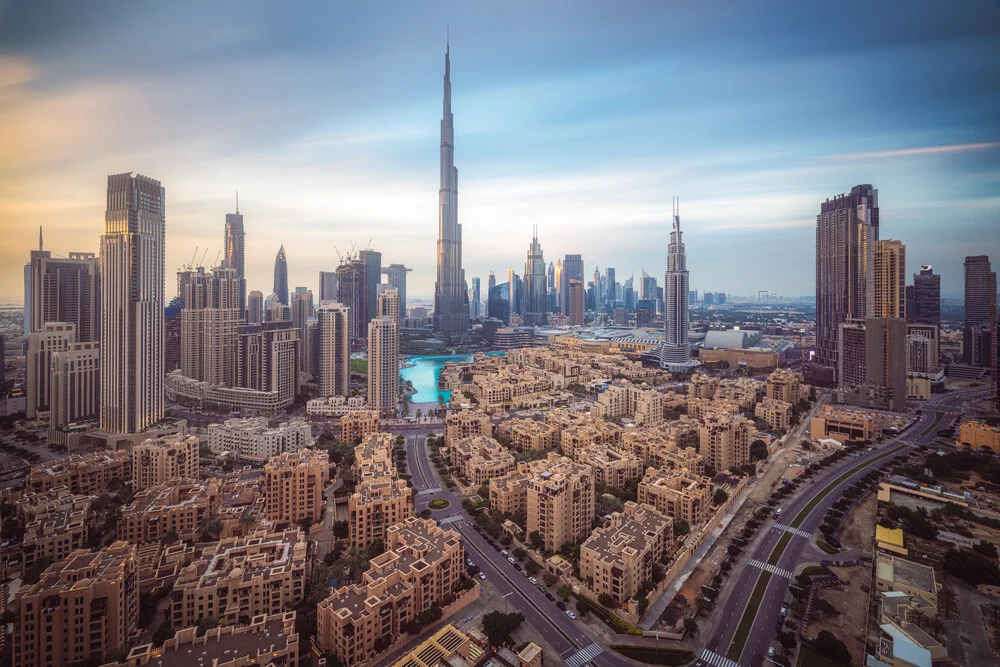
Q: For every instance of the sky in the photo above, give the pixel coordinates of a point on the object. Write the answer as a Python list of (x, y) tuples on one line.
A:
[(584, 118)]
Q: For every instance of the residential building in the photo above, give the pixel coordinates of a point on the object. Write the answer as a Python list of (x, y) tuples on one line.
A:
[(234, 249), (776, 414), (528, 435), (252, 439), (612, 467), (267, 364), (334, 349), (979, 435), (560, 501), (132, 275), (725, 441), (703, 386), (86, 474), (335, 406), (82, 608), (446, 646), (618, 559), (177, 506), (255, 307), (678, 493), (357, 424), (843, 424), (294, 483), (625, 399), (663, 447), (55, 524), (372, 260), (467, 423), (352, 292), (66, 290), (480, 458), (396, 279), (378, 502), (210, 323), (784, 385), (575, 438), (43, 344), (509, 494), (889, 279), (383, 364), (926, 302), (421, 565), (75, 384), (238, 578), (155, 461), (302, 311)]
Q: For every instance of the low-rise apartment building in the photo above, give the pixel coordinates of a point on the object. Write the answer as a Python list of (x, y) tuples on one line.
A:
[(702, 386), (238, 578), (241, 505), (87, 474), (55, 524), (596, 432), (509, 494), (680, 494), (252, 439), (979, 435), (481, 458), (157, 460), (466, 424), (178, 506), (725, 441), (776, 414), (528, 435), (335, 406), (376, 504), (560, 501), (618, 559), (784, 385), (612, 467), (373, 457), (641, 403), (423, 563), (659, 447), (356, 424), (700, 408), (843, 424), (293, 487), (84, 607)]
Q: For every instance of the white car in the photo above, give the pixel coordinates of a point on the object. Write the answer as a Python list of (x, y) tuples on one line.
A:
[(482, 575), (532, 580), (770, 652), (569, 612), (510, 558)]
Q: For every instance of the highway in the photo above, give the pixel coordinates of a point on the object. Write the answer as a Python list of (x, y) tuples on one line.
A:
[(777, 576)]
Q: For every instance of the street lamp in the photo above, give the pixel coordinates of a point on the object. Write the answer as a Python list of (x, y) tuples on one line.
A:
[(505, 601)]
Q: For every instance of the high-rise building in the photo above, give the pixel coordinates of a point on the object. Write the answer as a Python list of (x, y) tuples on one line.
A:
[(383, 364), (610, 289), (872, 362), (889, 279), (267, 359), (388, 304), (396, 278), (132, 273), (846, 230), (451, 312), (352, 291), (294, 485), (302, 310), (255, 307), (572, 269), (43, 344), (334, 349), (560, 500), (66, 290), (234, 248), (676, 352), (535, 281), (515, 294), (556, 287), (328, 286), (980, 311), (647, 287), (158, 460), (28, 279), (210, 323), (475, 299), (575, 302), (75, 388), (373, 277), (926, 301), (491, 283), (281, 276)]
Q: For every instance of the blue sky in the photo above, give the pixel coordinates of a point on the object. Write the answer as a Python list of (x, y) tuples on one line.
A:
[(583, 118)]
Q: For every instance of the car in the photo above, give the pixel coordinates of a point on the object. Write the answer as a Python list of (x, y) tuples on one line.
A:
[(770, 652), (532, 580), (569, 612), (504, 554), (561, 606), (468, 561), (482, 575), (510, 558), (784, 610), (550, 596), (496, 548)]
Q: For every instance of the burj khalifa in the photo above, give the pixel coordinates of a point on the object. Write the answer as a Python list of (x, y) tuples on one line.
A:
[(451, 298), (675, 355)]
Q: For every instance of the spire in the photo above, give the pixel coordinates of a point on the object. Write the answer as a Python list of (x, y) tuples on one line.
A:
[(237, 202), (39, 237)]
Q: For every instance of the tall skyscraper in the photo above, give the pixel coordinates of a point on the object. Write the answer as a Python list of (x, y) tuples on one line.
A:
[(75, 385), (302, 310), (66, 290), (234, 248), (610, 289), (396, 278), (676, 352), (889, 279), (255, 307), (551, 279), (572, 269), (28, 274), (575, 302), (451, 310), (132, 267), (327, 286), (475, 302), (556, 286), (281, 276), (373, 277), (383, 364), (352, 292), (210, 323), (846, 231), (491, 284), (980, 311), (535, 284), (43, 344), (334, 349), (267, 359), (388, 304), (925, 306)]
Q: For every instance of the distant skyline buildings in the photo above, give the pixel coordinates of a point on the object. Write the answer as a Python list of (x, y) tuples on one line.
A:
[(980, 311), (281, 276), (234, 249), (535, 284)]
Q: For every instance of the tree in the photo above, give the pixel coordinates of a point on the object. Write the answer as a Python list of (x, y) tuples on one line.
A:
[(531, 567), (564, 592), (606, 601), (681, 527), (536, 539), (498, 627), (947, 600), (758, 450), (170, 537), (549, 579), (828, 645), (204, 623), (972, 567), (519, 553), (720, 496), (163, 633), (690, 626), (341, 529)]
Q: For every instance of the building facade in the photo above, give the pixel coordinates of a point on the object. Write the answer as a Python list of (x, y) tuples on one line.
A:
[(155, 461), (252, 439), (294, 483), (676, 352), (383, 365)]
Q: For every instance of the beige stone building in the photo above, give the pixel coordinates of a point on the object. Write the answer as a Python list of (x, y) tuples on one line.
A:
[(156, 461), (701, 408), (680, 494), (509, 494), (612, 467), (178, 506), (466, 424), (560, 501), (373, 457), (725, 441), (238, 578), (480, 459), (528, 435), (376, 504), (294, 484), (659, 447), (55, 524), (776, 414), (784, 385), (979, 435), (843, 424), (618, 560), (596, 432), (422, 564), (87, 474), (641, 403), (83, 607), (744, 392), (702, 386), (356, 424), (241, 505), (447, 646)]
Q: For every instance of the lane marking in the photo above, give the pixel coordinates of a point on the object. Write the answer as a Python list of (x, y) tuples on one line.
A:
[(583, 655), (793, 531), (717, 660), (760, 565)]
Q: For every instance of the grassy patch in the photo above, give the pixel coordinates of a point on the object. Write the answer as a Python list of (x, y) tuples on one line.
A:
[(827, 547), (937, 420), (438, 504), (779, 548), (746, 623), (653, 656), (813, 569), (359, 365), (619, 625)]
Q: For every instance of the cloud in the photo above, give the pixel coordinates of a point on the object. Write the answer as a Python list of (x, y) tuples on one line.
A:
[(923, 150)]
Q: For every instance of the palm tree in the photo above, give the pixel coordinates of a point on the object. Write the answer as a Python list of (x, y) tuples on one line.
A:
[(357, 561)]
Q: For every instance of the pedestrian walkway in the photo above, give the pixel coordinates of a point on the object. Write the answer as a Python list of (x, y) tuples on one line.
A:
[(761, 565), (717, 660), (583, 655), (452, 519), (793, 531), (435, 489)]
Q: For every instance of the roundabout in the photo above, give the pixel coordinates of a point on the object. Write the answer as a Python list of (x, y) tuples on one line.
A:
[(438, 504)]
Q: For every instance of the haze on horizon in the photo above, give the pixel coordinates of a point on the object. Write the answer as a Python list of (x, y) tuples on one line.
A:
[(583, 118)]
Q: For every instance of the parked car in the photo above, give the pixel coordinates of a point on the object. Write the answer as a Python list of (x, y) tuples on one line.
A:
[(482, 575), (770, 652), (561, 606), (569, 612), (532, 580), (510, 558), (504, 554), (550, 596)]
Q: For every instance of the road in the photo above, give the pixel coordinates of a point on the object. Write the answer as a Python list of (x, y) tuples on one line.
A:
[(737, 592)]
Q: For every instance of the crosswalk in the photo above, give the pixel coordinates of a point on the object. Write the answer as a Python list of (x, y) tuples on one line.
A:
[(452, 519), (761, 565), (793, 531), (718, 660), (583, 655), (435, 489)]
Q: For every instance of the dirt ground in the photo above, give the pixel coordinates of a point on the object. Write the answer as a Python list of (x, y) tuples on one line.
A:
[(841, 610), (859, 525)]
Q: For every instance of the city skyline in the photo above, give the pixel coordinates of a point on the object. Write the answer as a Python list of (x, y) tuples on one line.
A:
[(531, 124)]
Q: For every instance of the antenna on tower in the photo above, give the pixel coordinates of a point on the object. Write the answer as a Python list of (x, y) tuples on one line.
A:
[(39, 237), (237, 202)]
